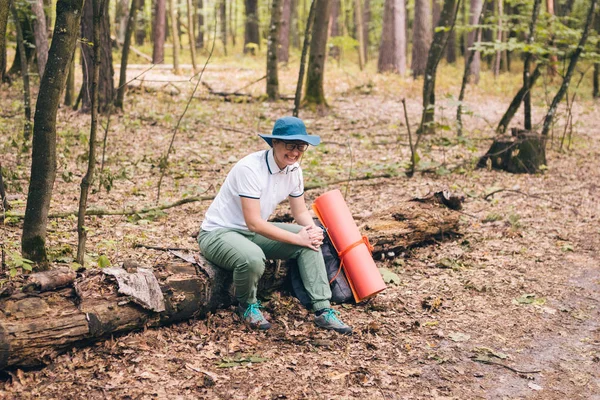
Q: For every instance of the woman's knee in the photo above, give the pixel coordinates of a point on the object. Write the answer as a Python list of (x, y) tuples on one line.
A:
[(255, 265)]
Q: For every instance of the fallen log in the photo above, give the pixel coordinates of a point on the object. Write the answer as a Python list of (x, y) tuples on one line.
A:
[(60, 309)]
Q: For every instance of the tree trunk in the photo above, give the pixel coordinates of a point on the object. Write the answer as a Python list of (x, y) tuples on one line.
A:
[(474, 35), (451, 48), (43, 158), (251, 37), (596, 76), (98, 10), (52, 314), (436, 52), (125, 55), (40, 32), (527, 63), (294, 25), (307, 34), (70, 86), (366, 24), (160, 27), (336, 52), (140, 24), (283, 53), (106, 83), (4, 204), (4, 11), (121, 18), (28, 37), (499, 37), (201, 27), (570, 69), (421, 37), (174, 35), (392, 51), (436, 12), (223, 20), (191, 38), (24, 74), (273, 42), (358, 18), (517, 100), (315, 93), (233, 21)]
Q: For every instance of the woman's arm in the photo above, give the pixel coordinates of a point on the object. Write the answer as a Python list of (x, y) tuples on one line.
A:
[(303, 217), (251, 210)]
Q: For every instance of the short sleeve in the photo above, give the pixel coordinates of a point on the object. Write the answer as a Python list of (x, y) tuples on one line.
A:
[(298, 184), (247, 182)]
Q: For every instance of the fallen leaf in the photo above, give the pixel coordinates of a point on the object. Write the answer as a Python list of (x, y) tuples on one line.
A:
[(459, 337), (534, 386), (389, 276)]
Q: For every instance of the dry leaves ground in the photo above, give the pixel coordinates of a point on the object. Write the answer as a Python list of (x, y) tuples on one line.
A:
[(509, 310)]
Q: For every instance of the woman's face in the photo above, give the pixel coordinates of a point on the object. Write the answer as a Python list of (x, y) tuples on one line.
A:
[(288, 152)]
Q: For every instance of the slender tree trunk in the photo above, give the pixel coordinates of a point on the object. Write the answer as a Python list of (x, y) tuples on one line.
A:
[(190, 20), (283, 53), (366, 24), (272, 77), (106, 84), (125, 54), (4, 11), (294, 25), (436, 12), (451, 48), (315, 93), (358, 18), (41, 35), (70, 87), (140, 24), (28, 37), (174, 36), (596, 76), (121, 17), (436, 52), (43, 158), (498, 57), (223, 20), (517, 100), (307, 34), (4, 204), (392, 51), (251, 37), (98, 16), (570, 69), (232, 22), (24, 74), (421, 37), (474, 35), (201, 27), (336, 52), (527, 65), (160, 27)]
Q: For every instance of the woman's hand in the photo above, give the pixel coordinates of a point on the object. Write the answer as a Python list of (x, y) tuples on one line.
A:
[(311, 236)]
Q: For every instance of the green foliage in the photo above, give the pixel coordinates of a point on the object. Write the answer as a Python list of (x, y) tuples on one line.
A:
[(103, 261), (16, 263)]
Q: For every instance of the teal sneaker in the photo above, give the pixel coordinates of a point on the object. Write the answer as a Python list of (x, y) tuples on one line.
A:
[(252, 316), (327, 318)]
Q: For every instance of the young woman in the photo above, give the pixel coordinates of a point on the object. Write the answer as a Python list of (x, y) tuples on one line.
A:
[(235, 234)]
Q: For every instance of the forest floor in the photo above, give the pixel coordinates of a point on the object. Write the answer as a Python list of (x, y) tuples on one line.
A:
[(517, 297)]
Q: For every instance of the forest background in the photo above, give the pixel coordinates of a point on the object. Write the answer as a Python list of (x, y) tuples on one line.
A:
[(407, 96)]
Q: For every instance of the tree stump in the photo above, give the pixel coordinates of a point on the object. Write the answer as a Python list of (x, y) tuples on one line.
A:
[(522, 153)]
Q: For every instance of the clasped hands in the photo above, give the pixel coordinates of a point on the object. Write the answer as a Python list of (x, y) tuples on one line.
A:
[(312, 237)]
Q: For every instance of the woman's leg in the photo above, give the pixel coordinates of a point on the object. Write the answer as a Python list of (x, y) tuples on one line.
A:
[(310, 265), (234, 251)]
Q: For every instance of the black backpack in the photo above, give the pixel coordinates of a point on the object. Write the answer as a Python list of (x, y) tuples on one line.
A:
[(340, 288)]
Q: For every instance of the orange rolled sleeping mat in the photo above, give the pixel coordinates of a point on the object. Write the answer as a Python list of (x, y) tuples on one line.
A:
[(353, 249)]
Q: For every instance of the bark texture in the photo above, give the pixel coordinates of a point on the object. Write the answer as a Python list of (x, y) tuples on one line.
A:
[(201, 28), (4, 11), (273, 42), (527, 64), (59, 311), (40, 32), (392, 51), (307, 34), (315, 92), (106, 83), (421, 37), (43, 158), (474, 35), (174, 35), (160, 27), (24, 74), (125, 54), (283, 52), (251, 37)]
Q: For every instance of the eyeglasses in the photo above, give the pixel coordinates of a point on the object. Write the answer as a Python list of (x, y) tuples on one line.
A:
[(292, 146)]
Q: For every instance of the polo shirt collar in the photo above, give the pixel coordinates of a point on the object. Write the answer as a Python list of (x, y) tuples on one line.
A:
[(274, 168)]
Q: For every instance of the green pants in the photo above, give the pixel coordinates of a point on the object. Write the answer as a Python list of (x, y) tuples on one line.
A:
[(245, 252)]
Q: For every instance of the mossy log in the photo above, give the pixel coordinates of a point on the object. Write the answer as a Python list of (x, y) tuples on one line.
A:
[(53, 311), (523, 152)]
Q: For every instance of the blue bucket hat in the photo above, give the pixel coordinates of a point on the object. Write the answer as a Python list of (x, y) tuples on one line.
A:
[(290, 128)]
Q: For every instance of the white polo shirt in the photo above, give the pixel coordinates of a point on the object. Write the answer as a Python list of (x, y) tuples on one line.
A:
[(255, 176)]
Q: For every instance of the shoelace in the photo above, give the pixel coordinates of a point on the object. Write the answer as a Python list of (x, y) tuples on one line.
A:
[(253, 309), (332, 314)]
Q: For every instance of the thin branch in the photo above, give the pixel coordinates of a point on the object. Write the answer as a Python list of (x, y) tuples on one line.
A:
[(490, 362)]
